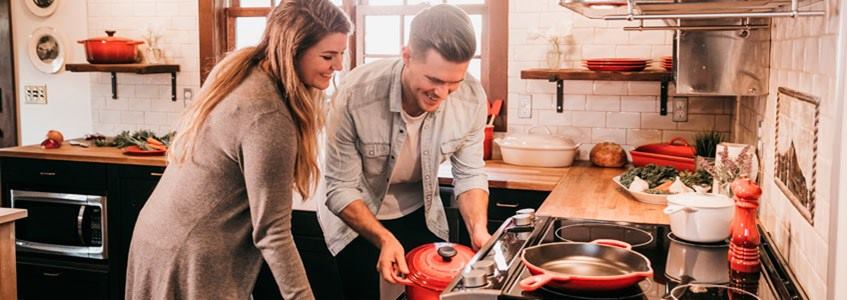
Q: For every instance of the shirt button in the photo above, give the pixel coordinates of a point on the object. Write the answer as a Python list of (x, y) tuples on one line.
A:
[(392, 157), (401, 130), (371, 152), (427, 177), (426, 152)]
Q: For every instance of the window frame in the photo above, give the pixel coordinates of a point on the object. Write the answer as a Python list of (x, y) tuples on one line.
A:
[(217, 35)]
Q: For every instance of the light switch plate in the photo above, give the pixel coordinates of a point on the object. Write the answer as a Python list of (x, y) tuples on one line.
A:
[(35, 94), (525, 106), (680, 109)]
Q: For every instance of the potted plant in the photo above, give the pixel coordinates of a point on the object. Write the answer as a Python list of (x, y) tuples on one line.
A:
[(705, 145)]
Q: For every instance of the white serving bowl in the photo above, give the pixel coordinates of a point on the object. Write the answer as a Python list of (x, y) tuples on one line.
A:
[(699, 217), (660, 199), (537, 150)]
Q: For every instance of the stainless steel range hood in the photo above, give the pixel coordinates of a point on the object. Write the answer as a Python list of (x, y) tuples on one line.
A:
[(671, 9)]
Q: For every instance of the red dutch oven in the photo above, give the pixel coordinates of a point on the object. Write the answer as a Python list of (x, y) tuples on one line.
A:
[(110, 49), (432, 267), (601, 265)]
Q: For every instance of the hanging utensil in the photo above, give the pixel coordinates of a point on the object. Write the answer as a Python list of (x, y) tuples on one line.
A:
[(494, 110)]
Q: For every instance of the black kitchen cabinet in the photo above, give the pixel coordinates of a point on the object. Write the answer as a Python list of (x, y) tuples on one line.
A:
[(49, 280), (502, 204)]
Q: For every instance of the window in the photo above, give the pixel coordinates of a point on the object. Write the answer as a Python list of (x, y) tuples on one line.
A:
[(382, 28)]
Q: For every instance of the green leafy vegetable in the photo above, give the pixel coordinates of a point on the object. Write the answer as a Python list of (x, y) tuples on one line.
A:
[(653, 174)]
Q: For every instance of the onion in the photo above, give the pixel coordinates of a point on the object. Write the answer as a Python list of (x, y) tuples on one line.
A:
[(50, 144), (56, 136)]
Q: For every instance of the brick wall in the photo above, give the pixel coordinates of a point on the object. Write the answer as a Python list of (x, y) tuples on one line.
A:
[(144, 101), (626, 113)]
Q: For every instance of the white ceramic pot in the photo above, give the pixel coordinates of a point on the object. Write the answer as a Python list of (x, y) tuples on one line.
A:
[(702, 218), (697, 263), (537, 150)]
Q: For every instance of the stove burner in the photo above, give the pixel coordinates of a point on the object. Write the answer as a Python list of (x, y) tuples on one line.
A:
[(632, 292), (721, 244), (588, 232), (709, 291)]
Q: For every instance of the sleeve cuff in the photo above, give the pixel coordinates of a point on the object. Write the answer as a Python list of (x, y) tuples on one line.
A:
[(465, 184), (339, 199)]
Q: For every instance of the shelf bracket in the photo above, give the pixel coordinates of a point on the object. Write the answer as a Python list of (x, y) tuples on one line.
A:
[(559, 93), (114, 85), (663, 96), (173, 86)]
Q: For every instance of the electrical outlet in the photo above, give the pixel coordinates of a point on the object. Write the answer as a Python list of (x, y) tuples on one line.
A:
[(525, 106), (35, 94), (187, 94), (680, 109)]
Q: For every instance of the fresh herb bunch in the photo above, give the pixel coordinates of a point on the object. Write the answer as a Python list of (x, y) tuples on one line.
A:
[(706, 142), (653, 174), (697, 178), (140, 138)]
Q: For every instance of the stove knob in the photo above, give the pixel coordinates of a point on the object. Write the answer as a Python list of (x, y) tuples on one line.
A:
[(527, 211), (523, 220), (486, 266), (474, 278)]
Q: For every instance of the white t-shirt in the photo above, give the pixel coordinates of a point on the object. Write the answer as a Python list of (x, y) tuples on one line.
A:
[(405, 192)]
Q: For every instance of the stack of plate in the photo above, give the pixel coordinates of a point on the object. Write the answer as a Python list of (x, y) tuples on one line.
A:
[(667, 62), (616, 64)]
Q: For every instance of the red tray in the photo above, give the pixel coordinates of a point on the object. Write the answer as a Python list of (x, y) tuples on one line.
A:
[(134, 150), (640, 159), (616, 68)]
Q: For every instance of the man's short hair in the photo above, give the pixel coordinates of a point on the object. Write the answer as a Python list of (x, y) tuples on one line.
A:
[(445, 28)]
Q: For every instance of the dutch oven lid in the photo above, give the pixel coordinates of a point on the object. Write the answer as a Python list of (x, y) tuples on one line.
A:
[(111, 38), (701, 200), (676, 147), (538, 141), (434, 265)]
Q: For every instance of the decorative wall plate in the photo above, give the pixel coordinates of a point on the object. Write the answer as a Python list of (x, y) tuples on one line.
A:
[(42, 8), (46, 50), (795, 164)]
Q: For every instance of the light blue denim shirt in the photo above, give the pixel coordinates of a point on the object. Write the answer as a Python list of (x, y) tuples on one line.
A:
[(366, 133)]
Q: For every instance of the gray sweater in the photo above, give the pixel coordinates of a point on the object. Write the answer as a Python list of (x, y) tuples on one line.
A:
[(211, 220)]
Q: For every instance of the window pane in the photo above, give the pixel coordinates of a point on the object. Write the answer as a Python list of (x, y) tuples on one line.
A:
[(475, 68), (248, 31), (382, 35), (433, 2), (255, 3), (406, 28), (466, 1), (385, 2), (336, 2), (476, 20), (370, 59)]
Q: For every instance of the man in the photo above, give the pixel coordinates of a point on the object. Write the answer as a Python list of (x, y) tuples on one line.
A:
[(394, 122)]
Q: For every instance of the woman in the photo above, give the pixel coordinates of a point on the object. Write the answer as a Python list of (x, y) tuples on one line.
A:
[(224, 202)]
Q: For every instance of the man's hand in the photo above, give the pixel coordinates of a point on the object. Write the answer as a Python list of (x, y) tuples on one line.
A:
[(479, 238), (392, 261)]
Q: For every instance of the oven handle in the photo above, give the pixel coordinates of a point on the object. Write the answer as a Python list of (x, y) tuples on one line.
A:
[(79, 218)]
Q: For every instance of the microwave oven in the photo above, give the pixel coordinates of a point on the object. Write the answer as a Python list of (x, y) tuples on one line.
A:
[(62, 224)]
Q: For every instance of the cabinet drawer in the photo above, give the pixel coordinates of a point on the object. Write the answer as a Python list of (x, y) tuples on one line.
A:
[(141, 172), (503, 203), (49, 282), (54, 173)]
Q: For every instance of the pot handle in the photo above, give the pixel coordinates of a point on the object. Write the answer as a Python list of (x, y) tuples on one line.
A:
[(532, 283), (613, 243), (681, 141), (672, 209)]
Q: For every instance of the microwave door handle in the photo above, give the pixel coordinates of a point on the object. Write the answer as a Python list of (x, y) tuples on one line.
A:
[(79, 219)]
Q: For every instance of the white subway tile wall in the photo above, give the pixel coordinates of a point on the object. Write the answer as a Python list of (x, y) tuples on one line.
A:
[(595, 111), (803, 59), (144, 101)]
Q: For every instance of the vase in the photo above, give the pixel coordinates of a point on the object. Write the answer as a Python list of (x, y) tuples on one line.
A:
[(554, 59)]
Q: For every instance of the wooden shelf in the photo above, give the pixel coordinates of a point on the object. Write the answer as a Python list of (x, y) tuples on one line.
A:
[(560, 75), (582, 74), (128, 68)]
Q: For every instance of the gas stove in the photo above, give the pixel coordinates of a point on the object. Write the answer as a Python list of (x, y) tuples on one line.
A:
[(681, 270)]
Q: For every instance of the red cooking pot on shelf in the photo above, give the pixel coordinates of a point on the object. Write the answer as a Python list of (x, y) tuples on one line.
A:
[(111, 49), (433, 266)]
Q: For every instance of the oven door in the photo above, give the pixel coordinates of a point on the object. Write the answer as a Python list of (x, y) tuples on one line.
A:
[(62, 224)]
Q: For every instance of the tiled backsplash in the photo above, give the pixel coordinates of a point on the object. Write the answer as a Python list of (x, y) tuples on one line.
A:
[(803, 55), (144, 101), (623, 112)]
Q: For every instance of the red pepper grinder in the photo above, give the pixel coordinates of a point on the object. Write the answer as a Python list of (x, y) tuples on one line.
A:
[(744, 241)]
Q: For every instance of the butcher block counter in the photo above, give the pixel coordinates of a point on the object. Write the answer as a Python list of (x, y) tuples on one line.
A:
[(580, 191), (93, 154)]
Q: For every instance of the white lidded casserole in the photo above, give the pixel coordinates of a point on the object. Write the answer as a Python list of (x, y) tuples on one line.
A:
[(537, 150)]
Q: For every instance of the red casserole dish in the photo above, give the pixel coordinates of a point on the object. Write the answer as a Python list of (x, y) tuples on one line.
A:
[(602, 265), (676, 153), (110, 49)]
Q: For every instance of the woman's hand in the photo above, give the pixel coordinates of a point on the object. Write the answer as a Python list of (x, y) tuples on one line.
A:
[(392, 262)]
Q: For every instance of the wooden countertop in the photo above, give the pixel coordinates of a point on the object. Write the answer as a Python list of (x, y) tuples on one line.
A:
[(580, 191), (11, 214), (108, 155), (506, 176)]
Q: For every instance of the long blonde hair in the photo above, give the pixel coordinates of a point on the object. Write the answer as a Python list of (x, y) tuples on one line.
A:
[(292, 27)]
